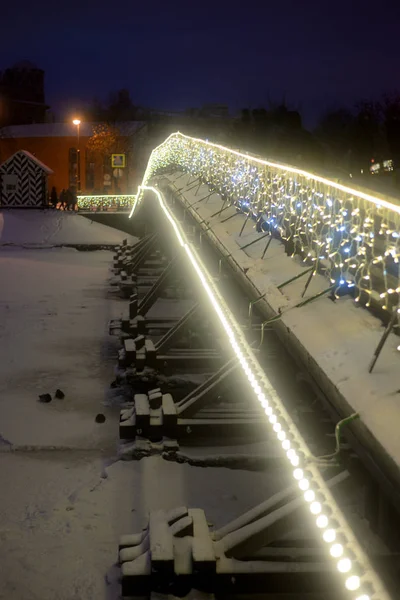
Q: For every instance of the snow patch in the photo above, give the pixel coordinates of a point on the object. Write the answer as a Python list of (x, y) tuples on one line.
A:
[(44, 228)]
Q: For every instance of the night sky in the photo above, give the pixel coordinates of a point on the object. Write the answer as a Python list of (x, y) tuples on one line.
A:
[(175, 54)]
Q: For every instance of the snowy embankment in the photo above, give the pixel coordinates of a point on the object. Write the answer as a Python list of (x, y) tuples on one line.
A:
[(64, 499), (334, 340), (31, 228)]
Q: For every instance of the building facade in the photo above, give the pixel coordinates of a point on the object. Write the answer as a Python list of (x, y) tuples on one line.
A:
[(58, 146)]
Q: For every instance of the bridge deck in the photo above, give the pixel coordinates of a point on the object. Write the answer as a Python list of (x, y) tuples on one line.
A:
[(336, 340)]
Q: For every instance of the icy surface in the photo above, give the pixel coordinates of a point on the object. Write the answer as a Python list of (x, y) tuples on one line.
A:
[(64, 497), (54, 228), (54, 308)]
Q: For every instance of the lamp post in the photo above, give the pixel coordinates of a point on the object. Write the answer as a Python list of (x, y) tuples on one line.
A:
[(77, 122)]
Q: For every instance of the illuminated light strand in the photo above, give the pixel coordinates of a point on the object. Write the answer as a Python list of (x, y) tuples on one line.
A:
[(320, 502), (106, 201), (354, 235)]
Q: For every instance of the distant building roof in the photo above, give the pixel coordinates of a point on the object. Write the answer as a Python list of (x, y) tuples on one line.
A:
[(40, 164), (39, 130), (25, 64)]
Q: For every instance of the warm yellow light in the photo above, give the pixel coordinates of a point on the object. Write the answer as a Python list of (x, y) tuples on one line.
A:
[(76, 122), (325, 215), (258, 381)]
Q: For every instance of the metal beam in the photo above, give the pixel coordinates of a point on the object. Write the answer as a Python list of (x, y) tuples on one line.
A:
[(203, 386), (158, 286), (144, 252), (171, 336), (268, 528), (206, 391)]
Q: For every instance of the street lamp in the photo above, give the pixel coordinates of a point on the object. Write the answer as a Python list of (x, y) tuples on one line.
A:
[(77, 122)]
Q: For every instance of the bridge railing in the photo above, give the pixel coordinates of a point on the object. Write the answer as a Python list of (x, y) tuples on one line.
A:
[(349, 235), (106, 203)]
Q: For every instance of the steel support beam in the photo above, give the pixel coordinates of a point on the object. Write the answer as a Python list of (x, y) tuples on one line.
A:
[(155, 416), (174, 333), (158, 286), (176, 552), (144, 252), (198, 398)]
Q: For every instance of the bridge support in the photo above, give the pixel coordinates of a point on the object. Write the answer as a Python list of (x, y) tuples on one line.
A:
[(257, 553)]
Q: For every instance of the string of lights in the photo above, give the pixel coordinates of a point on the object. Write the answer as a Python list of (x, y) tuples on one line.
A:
[(350, 236), (360, 582), (105, 202)]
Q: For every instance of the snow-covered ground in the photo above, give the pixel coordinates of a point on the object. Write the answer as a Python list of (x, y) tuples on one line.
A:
[(64, 499), (53, 228)]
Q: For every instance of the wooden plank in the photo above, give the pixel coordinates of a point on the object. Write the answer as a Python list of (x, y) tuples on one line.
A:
[(140, 359), (154, 390), (140, 342), (126, 414), (129, 345), (150, 353), (142, 410), (204, 559), (155, 423), (155, 399), (141, 566), (161, 543), (170, 416), (141, 404), (183, 566), (182, 527)]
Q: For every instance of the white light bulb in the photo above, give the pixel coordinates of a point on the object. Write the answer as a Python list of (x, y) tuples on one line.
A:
[(298, 474), (336, 550), (304, 484), (295, 460), (277, 427), (273, 419), (315, 508), (344, 565), (363, 597), (352, 583), (309, 496), (329, 536), (281, 436), (322, 521), (286, 444)]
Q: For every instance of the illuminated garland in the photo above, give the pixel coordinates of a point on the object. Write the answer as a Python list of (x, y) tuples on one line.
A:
[(350, 236), (101, 203), (359, 579)]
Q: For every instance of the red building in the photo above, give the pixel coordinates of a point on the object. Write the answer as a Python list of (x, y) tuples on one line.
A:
[(57, 146)]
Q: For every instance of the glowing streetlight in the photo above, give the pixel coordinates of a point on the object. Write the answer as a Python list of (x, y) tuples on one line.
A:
[(77, 122)]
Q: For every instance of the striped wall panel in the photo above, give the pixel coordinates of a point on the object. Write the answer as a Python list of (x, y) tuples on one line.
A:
[(31, 182)]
